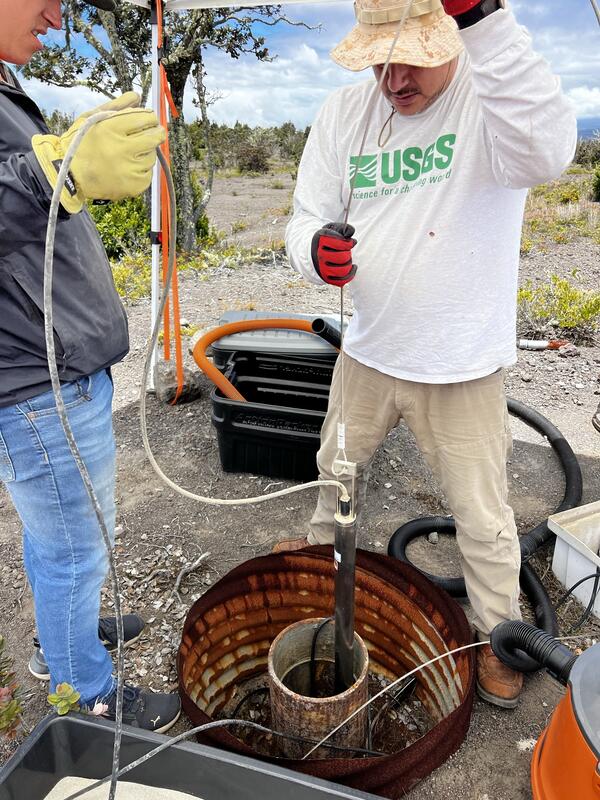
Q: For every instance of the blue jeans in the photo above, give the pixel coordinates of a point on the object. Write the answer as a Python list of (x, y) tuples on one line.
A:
[(63, 550)]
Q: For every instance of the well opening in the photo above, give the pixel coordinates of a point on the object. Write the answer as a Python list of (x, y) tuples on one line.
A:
[(302, 691), (404, 621)]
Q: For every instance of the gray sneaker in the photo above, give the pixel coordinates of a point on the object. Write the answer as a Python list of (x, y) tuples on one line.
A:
[(133, 626)]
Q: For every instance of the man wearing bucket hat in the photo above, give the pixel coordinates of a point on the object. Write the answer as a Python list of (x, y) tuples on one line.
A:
[(467, 118), (64, 553)]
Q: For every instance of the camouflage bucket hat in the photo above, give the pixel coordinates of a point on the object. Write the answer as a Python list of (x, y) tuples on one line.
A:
[(429, 37)]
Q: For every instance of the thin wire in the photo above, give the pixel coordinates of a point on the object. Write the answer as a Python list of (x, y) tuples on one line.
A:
[(62, 414), (353, 177), (371, 108), (388, 688), (596, 10)]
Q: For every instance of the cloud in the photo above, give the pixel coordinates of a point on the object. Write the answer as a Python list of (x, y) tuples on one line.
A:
[(294, 85), (586, 100)]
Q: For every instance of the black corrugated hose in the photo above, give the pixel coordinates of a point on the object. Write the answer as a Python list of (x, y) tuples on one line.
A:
[(509, 639), (545, 614)]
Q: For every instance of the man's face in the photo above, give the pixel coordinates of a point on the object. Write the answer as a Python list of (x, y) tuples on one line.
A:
[(413, 89), (21, 22)]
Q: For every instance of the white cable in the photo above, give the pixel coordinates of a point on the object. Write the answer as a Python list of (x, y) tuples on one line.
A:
[(62, 415), (145, 375), (387, 689)]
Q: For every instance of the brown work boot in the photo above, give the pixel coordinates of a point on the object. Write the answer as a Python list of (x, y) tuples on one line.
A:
[(289, 545), (497, 683)]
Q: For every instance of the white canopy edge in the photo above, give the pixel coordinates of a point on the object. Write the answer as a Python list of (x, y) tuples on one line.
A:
[(181, 5)]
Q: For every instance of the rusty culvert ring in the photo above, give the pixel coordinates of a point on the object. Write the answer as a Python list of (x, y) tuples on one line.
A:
[(403, 618)]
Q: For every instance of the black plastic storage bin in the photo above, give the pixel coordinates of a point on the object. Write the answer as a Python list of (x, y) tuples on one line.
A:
[(81, 747), (277, 431)]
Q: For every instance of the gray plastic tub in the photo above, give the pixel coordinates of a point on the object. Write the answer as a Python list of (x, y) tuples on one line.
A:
[(81, 747), (276, 341)]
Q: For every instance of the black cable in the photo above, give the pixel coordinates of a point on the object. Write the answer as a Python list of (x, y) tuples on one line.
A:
[(313, 655), (568, 593), (590, 606)]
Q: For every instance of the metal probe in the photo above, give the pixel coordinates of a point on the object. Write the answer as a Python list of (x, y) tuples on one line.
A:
[(344, 551)]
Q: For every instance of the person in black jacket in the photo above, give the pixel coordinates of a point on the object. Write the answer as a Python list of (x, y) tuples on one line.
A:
[(64, 553)]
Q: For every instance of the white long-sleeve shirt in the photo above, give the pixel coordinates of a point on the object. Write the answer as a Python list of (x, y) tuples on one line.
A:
[(438, 209)]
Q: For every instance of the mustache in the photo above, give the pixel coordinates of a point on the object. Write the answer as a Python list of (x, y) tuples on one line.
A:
[(408, 90)]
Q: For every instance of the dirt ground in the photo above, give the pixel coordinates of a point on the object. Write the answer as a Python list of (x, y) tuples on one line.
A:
[(160, 532)]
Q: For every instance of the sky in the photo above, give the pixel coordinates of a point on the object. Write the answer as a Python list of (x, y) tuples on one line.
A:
[(293, 86)]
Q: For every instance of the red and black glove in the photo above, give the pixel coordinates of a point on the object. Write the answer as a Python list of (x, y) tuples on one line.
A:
[(332, 253), (456, 7), (470, 12)]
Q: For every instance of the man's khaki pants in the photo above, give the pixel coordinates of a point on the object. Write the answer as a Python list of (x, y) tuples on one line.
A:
[(462, 431)]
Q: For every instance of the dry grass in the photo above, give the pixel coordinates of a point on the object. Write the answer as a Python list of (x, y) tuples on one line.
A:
[(560, 212)]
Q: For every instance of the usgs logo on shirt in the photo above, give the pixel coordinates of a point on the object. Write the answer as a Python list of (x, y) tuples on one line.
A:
[(402, 170)]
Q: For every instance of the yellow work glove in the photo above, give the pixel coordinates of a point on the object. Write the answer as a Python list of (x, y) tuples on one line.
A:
[(115, 158)]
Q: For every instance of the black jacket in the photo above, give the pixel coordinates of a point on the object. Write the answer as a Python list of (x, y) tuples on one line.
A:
[(89, 320)]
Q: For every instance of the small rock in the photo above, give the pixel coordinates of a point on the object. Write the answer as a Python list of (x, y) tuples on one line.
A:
[(387, 485), (378, 544), (568, 351), (433, 537), (579, 386), (526, 745), (526, 377)]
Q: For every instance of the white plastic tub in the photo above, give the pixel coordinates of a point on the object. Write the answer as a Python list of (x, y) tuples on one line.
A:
[(576, 550)]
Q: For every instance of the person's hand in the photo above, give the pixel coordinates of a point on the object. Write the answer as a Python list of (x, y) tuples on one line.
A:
[(457, 7), (115, 158), (332, 253)]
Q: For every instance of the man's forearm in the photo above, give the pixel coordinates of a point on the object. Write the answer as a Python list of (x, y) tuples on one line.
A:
[(531, 130)]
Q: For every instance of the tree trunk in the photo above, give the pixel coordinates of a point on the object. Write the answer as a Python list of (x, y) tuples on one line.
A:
[(202, 104), (180, 157)]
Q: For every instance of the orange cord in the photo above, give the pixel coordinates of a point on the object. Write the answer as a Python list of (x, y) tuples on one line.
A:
[(165, 93), (209, 369)]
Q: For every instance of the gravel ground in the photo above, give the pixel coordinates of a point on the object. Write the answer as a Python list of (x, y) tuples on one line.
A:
[(161, 534)]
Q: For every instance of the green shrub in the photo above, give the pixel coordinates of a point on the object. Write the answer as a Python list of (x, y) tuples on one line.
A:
[(596, 185), (253, 154), (588, 152), (11, 707), (123, 226), (560, 192), (558, 306), (133, 276)]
